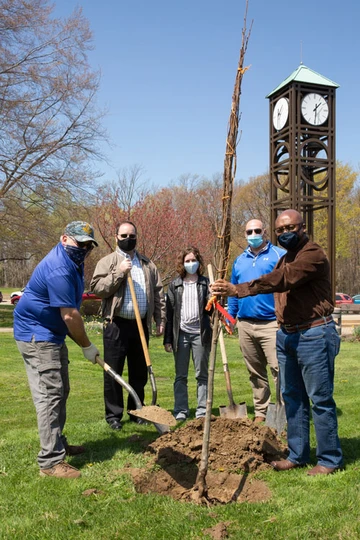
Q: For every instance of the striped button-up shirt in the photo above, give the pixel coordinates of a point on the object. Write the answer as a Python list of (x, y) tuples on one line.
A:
[(127, 309)]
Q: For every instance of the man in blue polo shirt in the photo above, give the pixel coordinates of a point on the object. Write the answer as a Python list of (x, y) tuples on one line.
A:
[(256, 323), (46, 313)]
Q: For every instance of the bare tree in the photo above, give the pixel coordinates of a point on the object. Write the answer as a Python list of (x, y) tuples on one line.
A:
[(50, 125), (130, 188)]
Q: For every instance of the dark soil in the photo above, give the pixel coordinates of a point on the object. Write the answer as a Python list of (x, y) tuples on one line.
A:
[(238, 449)]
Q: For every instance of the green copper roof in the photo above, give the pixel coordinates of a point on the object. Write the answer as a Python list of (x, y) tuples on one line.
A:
[(305, 75)]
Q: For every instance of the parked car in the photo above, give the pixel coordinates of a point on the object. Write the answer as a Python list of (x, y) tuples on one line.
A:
[(356, 299), (1, 296), (342, 298), (90, 296), (15, 296)]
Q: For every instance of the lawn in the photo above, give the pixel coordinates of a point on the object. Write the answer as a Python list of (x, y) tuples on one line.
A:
[(31, 507), (6, 315)]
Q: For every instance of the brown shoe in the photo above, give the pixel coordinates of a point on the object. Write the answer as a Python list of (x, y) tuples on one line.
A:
[(259, 419), (321, 469), (72, 450), (61, 470), (285, 465)]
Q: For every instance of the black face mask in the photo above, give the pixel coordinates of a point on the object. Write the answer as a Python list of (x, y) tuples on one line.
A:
[(76, 254), (128, 244), (289, 240)]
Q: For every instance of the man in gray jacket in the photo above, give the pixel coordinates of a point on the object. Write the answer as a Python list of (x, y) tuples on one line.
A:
[(121, 335)]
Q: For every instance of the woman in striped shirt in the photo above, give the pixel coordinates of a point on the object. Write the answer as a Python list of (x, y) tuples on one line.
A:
[(188, 330)]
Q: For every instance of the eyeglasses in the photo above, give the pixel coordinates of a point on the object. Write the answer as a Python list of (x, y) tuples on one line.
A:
[(288, 228), (256, 231), (89, 246), (132, 236)]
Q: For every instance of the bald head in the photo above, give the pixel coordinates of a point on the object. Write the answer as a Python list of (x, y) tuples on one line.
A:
[(289, 217), (254, 224)]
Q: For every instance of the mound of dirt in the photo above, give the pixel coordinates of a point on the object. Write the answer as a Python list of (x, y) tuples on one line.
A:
[(238, 448)]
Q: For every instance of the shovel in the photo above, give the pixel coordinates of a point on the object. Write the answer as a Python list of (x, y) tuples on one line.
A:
[(275, 414), (151, 414), (143, 340), (232, 410)]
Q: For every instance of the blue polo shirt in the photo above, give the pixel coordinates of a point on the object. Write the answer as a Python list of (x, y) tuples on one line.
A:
[(57, 282), (247, 267)]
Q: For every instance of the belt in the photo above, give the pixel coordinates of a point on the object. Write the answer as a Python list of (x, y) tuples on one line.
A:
[(257, 321), (306, 325)]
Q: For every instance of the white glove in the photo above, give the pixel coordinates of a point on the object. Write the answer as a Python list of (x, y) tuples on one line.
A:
[(91, 352)]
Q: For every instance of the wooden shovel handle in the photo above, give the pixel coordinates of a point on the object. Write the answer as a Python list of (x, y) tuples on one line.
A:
[(138, 320), (223, 350)]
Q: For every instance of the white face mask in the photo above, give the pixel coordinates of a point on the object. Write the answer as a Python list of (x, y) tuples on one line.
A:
[(191, 267)]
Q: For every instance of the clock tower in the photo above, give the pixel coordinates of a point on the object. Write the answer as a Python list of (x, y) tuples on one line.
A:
[(302, 152)]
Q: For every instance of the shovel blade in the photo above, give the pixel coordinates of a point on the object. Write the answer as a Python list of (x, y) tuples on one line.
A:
[(233, 411), (276, 417)]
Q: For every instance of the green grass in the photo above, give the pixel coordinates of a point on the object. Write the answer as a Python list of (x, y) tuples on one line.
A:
[(6, 315), (43, 508)]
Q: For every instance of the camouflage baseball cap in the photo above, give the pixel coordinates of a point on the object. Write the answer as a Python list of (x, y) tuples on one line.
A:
[(81, 231)]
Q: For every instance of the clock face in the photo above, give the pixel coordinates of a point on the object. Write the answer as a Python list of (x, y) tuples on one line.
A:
[(281, 113), (314, 109)]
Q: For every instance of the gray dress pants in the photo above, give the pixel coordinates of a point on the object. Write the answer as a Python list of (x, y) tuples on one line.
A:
[(47, 370)]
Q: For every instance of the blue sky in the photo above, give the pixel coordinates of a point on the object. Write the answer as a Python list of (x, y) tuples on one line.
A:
[(168, 71)]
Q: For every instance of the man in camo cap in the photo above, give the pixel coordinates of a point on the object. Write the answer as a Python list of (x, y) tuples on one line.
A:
[(47, 312)]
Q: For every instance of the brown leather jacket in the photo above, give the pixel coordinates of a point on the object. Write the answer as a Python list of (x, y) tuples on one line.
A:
[(109, 282), (301, 283)]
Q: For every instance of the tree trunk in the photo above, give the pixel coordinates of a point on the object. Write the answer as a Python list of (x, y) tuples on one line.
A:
[(223, 249)]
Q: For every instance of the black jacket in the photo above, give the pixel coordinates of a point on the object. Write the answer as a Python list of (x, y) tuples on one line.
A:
[(173, 310)]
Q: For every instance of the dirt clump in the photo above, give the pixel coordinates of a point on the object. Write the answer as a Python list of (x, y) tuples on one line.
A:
[(156, 414), (238, 449)]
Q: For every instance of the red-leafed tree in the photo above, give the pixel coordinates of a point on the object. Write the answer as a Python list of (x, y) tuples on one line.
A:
[(167, 220)]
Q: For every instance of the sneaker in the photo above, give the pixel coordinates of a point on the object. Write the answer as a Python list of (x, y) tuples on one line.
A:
[(61, 470), (72, 450), (180, 416)]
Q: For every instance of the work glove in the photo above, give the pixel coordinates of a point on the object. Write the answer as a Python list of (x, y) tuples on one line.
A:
[(91, 352)]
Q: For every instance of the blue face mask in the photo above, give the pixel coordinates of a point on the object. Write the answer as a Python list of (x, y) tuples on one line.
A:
[(255, 240), (191, 267), (76, 254), (289, 240)]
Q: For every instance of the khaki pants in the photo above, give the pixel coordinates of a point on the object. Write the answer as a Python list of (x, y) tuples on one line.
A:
[(258, 345)]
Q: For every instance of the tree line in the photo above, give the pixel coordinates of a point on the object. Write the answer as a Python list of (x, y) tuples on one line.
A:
[(168, 219)]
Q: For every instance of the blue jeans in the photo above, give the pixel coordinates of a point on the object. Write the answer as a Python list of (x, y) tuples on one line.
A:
[(190, 343), (306, 362)]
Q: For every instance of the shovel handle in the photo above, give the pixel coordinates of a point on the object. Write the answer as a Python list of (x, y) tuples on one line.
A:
[(138, 320), (223, 351), (142, 338), (120, 381)]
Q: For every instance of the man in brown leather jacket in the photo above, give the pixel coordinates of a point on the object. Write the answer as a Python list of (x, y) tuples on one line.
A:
[(307, 343), (121, 335)]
